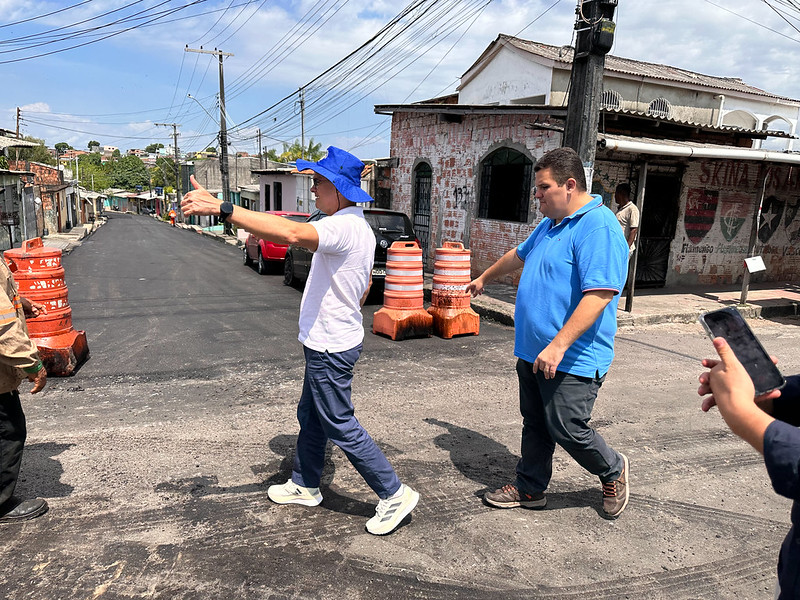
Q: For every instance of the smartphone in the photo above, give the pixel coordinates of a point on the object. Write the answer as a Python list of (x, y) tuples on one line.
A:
[(728, 323)]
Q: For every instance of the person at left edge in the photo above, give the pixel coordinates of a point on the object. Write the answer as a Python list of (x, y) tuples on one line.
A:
[(331, 331), (19, 359)]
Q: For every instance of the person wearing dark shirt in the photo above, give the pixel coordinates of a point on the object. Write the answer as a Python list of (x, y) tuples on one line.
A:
[(769, 423)]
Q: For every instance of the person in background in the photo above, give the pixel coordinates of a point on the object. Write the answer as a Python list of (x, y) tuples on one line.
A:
[(627, 215), (19, 359), (573, 269), (769, 423), (331, 331)]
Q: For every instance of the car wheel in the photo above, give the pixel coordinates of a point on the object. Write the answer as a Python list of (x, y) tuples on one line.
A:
[(288, 270), (247, 261), (263, 267)]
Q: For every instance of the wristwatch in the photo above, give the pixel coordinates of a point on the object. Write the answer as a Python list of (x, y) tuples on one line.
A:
[(225, 211)]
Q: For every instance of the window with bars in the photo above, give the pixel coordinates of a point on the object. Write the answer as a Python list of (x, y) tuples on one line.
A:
[(660, 107), (505, 186), (611, 100)]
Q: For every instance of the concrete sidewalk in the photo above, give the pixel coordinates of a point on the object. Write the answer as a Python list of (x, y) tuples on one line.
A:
[(69, 240), (672, 305)]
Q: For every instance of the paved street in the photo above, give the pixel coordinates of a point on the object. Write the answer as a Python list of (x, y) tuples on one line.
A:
[(155, 457)]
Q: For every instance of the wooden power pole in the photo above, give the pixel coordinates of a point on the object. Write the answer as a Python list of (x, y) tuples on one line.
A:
[(595, 37), (223, 128)]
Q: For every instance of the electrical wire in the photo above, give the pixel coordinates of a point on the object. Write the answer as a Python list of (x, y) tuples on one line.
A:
[(37, 17)]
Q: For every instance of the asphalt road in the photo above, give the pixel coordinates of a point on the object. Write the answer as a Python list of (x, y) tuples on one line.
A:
[(155, 456)]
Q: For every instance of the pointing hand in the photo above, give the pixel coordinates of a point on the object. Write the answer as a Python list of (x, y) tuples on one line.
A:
[(199, 201)]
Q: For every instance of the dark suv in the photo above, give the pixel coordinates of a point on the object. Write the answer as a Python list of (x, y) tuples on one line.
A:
[(388, 225)]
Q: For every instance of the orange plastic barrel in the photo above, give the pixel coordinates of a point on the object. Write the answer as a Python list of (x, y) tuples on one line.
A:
[(403, 314), (450, 302), (40, 278)]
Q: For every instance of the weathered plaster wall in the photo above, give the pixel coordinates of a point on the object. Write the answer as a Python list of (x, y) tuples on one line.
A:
[(508, 77), (718, 200), (454, 151)]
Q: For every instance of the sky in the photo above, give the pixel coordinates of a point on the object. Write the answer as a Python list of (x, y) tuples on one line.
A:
[(110, 70)]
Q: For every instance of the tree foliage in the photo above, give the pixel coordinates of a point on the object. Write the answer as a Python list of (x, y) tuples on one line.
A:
[(163, 174), (62, 146), (92, 173), (92, 143), (128, 172), (150, 149), (38, 153), (291, 152)]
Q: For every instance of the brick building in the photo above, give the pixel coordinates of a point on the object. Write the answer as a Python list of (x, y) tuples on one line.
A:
[(464, 172)]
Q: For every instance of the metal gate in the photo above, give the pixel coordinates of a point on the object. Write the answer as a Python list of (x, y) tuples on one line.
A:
[(422, 207), (659, 221)]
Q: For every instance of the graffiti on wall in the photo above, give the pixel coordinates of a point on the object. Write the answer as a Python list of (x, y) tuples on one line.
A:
[(725, 194), (701, 208)]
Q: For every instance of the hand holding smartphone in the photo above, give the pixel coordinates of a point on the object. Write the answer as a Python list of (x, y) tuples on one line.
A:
[(728, 323)]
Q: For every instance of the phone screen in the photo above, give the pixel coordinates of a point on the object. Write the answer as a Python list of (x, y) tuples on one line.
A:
[(728, 323)]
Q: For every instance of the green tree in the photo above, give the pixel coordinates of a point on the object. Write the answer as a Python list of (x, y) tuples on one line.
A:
[(38, 153), (211, 150), (116, 154), (93, 175), (128, 172), (152, 148), (92, 143), (163, 174), (291, 152), (62, 146)]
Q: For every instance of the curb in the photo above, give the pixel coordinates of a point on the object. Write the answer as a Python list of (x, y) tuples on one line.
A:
[(225, 239)]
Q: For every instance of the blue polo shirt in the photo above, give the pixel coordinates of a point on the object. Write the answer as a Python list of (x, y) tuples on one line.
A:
[(586, 251)]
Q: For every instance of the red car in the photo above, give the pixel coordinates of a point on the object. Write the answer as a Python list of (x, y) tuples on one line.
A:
[(266, 255)]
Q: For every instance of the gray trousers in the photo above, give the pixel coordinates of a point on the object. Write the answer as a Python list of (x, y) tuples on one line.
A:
[(557, 411)]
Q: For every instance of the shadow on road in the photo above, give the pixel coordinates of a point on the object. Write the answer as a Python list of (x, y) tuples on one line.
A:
[(40, 474), (490, 464)]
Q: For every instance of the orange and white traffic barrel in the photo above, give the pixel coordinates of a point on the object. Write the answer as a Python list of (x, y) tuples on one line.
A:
[(403, 314), (450, 302), (40, 278)]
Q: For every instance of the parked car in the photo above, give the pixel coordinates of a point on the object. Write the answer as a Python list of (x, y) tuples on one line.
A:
[(267, 255), (389, 226)]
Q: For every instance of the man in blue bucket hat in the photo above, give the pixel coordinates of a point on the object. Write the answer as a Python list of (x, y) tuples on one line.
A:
[(331, 331)]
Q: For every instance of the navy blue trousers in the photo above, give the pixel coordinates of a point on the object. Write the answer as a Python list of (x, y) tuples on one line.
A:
[(557, 411), (326, 412)]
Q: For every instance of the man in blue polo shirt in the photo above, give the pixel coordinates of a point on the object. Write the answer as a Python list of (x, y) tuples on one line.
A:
[(573, 268)]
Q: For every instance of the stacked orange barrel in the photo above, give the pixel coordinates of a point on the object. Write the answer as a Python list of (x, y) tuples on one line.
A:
[(403, 314), (40, 278), (450, 302)]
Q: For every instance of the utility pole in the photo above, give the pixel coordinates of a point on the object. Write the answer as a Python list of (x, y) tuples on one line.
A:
[(223, 129), (260, 150), (18, 111), (595, 37), (302, 123), (175, 151)]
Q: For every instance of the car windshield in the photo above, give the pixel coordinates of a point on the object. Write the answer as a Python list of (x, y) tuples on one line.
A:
[(297, 218), (388, 222)]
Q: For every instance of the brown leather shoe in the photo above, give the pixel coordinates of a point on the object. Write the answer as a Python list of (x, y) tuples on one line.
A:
[(509, 496), (616, 493), (21, 510)]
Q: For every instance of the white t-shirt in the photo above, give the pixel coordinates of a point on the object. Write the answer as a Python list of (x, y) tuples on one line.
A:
[(330, 311)]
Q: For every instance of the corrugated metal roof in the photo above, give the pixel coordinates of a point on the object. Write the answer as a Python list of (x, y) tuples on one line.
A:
[(704, 126), (628, 66), (9, 142)]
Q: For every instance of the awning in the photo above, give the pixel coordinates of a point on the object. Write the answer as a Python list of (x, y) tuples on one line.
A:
[(9, 142), (629, 145)]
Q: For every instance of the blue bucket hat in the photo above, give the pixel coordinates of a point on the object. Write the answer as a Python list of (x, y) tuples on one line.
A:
[(343, 170)]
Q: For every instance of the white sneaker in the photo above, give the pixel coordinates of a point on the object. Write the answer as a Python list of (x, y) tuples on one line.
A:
[(291, 493), (392, 511)]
